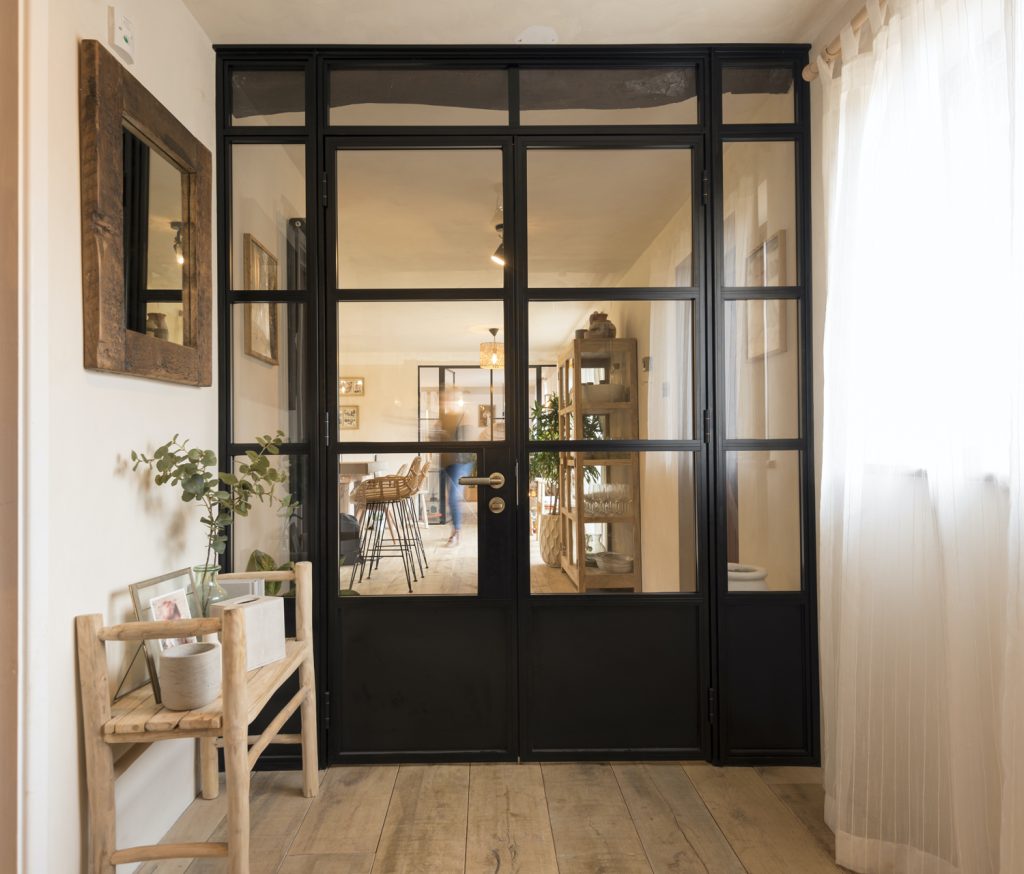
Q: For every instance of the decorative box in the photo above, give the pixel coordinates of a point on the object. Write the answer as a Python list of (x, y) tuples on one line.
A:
[(264, 627)]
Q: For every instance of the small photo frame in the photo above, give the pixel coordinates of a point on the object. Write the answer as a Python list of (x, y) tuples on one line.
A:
[(260, 338), (351, 386), (170, 596), (483, 417), (348, 418)]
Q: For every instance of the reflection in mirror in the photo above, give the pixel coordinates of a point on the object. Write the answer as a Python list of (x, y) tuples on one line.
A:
[(406, 525), (421, 371), (619, 370), (612, 522), (155, 243)]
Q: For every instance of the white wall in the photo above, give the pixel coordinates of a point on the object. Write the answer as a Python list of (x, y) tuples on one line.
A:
[(92, 527)]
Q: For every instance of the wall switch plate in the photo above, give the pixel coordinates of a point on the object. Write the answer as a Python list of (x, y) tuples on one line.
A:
[(122, 33)]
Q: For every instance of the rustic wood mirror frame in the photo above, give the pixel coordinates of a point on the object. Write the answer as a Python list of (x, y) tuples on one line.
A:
[(110, 100)]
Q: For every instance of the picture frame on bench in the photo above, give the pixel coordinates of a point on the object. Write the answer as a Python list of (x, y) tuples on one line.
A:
[(175, 589)]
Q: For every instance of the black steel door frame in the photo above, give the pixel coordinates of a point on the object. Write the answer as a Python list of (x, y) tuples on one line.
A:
[(315, 62)]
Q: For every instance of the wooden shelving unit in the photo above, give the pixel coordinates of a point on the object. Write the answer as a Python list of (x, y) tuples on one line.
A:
[(598, 395)]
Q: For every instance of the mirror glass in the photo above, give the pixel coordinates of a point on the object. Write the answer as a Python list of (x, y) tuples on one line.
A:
[(155, 243)]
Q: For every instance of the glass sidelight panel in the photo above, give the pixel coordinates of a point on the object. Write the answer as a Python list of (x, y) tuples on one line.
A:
[(406, 525), (763, 520), (418, 97), (280, 536), (262, 98), (659, 95), (612, 522), (268, 369), (421, 371), (762, 369), (759, 209), (420, 218), (624, 369), (609, 217), (268, 209), (757, 94)]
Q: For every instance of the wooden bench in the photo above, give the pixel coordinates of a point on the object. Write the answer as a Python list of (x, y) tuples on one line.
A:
[(138, 719)]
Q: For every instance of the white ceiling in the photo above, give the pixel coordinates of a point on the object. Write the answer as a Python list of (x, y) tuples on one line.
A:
[(449, 22)]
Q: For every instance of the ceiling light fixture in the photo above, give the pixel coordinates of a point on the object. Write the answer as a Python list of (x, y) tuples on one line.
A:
[(492, 354)]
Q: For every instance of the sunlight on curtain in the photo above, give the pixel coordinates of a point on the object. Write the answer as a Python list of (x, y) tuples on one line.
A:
[(921, 590)]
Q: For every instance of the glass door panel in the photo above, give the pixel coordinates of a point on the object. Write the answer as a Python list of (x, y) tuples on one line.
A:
[(636, 360), (609, 217), (759, 214), (420, 218), (421, 370)]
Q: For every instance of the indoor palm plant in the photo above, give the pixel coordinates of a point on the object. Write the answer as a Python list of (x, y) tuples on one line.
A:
[(223, 496)]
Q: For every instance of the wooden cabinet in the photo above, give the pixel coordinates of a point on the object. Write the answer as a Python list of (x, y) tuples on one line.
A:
[(600, 490)]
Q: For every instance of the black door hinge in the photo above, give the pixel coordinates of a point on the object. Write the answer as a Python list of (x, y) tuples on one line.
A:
[(707, 427), (327, 429), (323, 190), (706, 186), (712, 706), (327, 710)]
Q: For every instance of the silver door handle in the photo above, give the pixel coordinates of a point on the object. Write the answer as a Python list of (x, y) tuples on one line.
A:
[(495, 480)]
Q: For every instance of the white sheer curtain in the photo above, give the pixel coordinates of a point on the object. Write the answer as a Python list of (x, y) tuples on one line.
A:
[(922, 597)]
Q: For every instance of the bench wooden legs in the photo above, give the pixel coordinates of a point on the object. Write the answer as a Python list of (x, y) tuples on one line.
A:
[(310, 776), (99, 755), (209, 779)]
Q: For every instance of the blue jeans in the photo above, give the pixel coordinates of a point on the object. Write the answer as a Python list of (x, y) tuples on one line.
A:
[(453, 472)]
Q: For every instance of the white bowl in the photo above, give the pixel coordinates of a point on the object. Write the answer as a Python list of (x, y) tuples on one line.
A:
[(614, 563)]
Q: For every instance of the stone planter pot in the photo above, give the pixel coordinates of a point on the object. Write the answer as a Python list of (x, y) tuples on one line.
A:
[(551, 540), (190, 675)]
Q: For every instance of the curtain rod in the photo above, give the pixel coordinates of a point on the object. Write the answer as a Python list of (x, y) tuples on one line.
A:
[(835, 48)]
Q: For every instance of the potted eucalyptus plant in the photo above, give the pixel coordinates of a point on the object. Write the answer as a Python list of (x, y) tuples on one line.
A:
[(222, 496)]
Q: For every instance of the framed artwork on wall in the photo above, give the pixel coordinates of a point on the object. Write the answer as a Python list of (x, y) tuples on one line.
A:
[(351, 386), (349, 418), (260, 335)]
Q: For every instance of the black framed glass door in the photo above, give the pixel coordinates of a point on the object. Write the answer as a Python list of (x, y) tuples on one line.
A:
[(421, 368), (585, 270)]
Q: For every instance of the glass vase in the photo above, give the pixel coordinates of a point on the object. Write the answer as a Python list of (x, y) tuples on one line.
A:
[(208, 588)]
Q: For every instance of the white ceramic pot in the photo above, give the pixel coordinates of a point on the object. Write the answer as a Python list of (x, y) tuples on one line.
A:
[(551, 540), (189, 675), (747, 578)]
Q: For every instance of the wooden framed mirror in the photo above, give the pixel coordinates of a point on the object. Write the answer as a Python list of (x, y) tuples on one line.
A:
[(146, 230)]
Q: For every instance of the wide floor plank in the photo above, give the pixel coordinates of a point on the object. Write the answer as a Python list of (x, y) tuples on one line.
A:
[(425, 828), (200, 820), (675, 827), (349, 815), (590, 822), (763, 831), (276, 810), (807, 801), (335, 863), (508, 827)]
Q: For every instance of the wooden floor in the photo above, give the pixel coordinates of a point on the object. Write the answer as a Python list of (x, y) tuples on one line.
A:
[(591, 818)]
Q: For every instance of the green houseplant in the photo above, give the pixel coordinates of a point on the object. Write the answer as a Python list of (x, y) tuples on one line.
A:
[(222, 496), (544, 469)]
